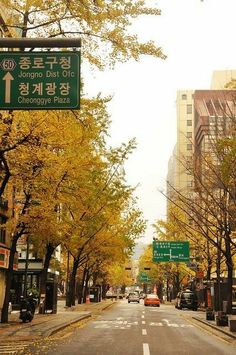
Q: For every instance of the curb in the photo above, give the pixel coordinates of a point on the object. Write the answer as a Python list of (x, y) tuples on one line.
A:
[(59, 327), (215, 327), (63, 326)]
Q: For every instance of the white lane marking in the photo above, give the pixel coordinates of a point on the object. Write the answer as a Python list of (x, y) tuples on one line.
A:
[(142, 316), (170, 324), (144, 332), (156, 324), (143, 322), (115, 324), (174, 325), (146, 350)]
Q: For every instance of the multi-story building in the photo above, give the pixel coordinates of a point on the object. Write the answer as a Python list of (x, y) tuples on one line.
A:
[(179, 168), (184, 146), (179, 177), (214, 116), (199, 118)]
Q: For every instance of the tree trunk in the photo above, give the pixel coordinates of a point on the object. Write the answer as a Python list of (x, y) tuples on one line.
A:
[(229, 264), (86, 291), (80, 293), (176, 284), (95, 277), (43, 279), (9, 274), (50, 249), (105, 289), (209, 262), (72, 283), (217, 305)]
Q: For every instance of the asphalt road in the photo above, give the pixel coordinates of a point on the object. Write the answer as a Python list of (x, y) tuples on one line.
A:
[(132, 329)]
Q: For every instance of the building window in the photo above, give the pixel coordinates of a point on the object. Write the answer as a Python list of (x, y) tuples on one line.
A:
[(189, 108), (189, 123), (189, 134), (184, 97), (189, 146), (2, 230)]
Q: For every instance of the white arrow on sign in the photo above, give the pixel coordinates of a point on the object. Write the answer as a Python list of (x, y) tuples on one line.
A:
[(8, 77)]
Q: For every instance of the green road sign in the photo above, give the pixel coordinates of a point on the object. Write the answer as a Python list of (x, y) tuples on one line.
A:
[(170, 251), (144, 277), (39, 80)]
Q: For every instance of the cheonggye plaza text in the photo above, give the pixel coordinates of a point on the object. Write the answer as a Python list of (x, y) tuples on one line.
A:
[(41, 101)]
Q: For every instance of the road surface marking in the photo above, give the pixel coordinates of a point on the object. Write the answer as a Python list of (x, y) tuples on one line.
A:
[(170, 324), (143, 317), (144, 332), (143, 322), (104, 324), (156, 324), (174, 325), (146, 349)]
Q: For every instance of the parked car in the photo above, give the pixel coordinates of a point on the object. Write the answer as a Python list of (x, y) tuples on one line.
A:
[(186, 299), (133, 297), (152, 300)]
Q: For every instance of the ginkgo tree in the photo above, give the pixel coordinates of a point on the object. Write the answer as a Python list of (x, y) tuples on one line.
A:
[(104, 208), (104, 26), (39, 168)]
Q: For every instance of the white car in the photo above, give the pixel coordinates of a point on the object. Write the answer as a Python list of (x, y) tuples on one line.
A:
[(133, 297)]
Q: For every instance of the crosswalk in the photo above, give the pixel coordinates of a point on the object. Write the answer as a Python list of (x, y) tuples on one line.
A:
[(15, 348), (124, 324)]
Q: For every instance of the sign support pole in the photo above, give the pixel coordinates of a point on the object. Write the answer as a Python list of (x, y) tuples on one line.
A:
[(10, 42)]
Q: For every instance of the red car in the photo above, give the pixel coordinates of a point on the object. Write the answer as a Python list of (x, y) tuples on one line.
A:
[(152, 300)]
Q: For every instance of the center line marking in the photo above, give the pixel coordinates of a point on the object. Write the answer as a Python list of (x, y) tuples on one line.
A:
[(144, 332), (146, 350), (142, 316), (143, 322)]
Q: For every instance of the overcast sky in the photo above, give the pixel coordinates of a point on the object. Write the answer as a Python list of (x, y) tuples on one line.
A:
[(198, 37)]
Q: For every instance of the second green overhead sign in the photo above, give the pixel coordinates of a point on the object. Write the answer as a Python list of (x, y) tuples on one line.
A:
[(39, 80)]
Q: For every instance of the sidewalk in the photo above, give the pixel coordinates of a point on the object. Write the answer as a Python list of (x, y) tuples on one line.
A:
[(201, 317), (44, 325)]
